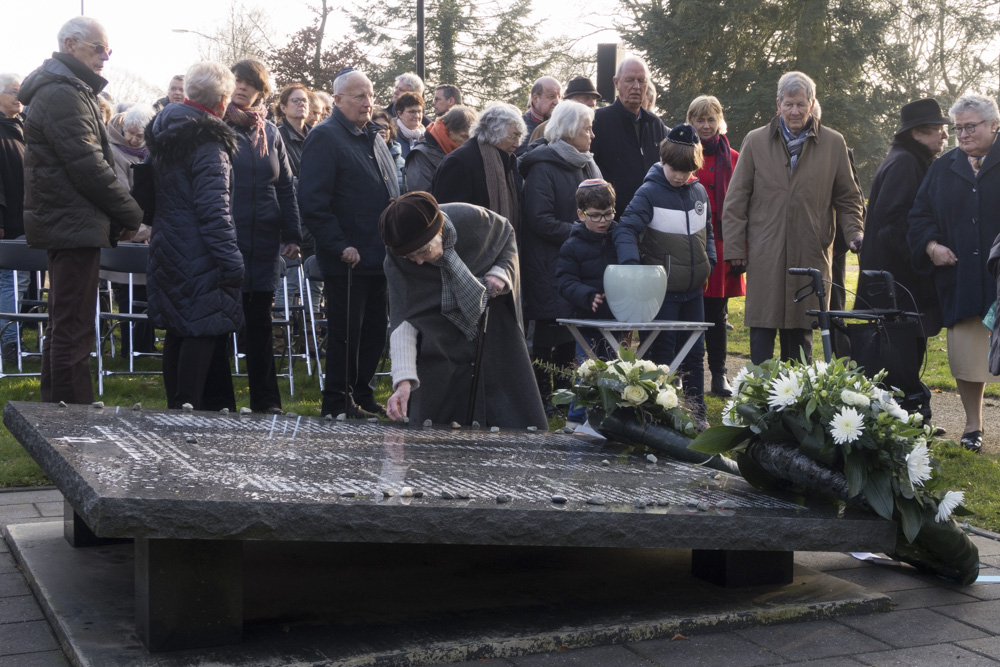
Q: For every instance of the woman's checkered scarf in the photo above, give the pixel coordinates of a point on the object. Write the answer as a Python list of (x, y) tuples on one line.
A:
[(463, 295)]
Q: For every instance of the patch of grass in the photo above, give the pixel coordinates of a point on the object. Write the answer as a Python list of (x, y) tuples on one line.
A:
[(978, 476)]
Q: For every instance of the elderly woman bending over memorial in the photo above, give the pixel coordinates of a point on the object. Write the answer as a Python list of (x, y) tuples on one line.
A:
[(953, 223), (451, 269), (195, 268)]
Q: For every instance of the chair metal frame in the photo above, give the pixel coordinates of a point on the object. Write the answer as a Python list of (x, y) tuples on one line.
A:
[(17, 256), (129, 258)]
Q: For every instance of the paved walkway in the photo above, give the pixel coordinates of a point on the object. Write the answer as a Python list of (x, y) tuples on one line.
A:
[(932, 623)]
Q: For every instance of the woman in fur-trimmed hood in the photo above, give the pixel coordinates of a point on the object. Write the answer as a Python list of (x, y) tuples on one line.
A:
[(195, 267)]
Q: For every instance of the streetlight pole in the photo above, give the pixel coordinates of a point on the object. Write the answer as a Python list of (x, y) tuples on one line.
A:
[(420, 39)]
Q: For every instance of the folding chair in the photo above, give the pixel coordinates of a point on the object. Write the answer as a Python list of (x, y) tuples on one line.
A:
[(130, 259), (284, 316), (16, 256), (318, 318)]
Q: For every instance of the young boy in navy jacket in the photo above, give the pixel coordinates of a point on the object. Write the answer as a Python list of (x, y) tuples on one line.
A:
[(584, 256), (668, 223)]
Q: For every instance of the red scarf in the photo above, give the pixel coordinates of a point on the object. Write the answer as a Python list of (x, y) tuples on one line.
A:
[(250, 118), (191, 103), (719, 147), (440, 132)]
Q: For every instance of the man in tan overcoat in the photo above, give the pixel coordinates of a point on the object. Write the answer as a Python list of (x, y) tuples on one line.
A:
[(777, 216)]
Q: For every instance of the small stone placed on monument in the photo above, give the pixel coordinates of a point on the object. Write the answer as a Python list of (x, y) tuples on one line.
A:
[(494, 429), (503, 498), (456, 425), (97, 404), (663, 502), (714, 474), (559, 499), (191, 440), (532, 428), (329, 418), (187, 407), (446, 495), (462, 495), (428, 422), (373, 420), (137, 406), (406, 420), (475, 424), (650, 503), (702, 507), (62, 404), (605, 462), (406, 492), (418, 494), (245, 411), (387, 493), (692, 503), (348, 494), (651, 458), (291, 414), (342, 417), (640, 504), (595, 500), (224, 411)]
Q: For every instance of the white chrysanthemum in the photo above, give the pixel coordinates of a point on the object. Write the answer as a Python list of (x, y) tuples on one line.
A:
[(846, 426), (951, 500), (586, 369), (821, 367), (854, 398), (730, 417), (785, 391), (667, 398), (918, 464), (740, 380), (634, 394)]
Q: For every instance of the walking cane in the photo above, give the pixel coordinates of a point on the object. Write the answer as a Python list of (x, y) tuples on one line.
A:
[(347, 344), (480, 339)]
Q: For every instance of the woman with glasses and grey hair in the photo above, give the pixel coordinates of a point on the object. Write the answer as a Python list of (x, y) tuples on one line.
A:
[(955, 218), (482, 172)]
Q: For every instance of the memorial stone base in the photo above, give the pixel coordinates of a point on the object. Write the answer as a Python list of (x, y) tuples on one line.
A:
[(197, 492)]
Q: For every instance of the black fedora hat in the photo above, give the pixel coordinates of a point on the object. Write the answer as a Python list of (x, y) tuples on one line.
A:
[(921, 112), (581, 85)]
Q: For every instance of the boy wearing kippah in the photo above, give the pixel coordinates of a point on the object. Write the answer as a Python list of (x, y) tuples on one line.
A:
[(584, 256), (667, 223)]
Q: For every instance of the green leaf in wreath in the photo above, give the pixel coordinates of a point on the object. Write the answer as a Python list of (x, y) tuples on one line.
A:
[(719, 439), (878, 494), (563, 397), (909, 514), (856, 474)]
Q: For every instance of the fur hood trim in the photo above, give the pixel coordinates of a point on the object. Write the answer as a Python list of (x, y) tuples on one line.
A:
[(179, 141)]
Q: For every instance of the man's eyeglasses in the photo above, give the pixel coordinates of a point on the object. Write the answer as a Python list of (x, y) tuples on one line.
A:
[(98, 48), (968, 128), (600, 216)]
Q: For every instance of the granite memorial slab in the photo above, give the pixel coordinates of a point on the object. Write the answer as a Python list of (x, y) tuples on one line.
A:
[(189, 487)]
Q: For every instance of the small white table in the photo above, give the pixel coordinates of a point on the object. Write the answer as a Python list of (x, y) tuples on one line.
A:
[(606, 327)]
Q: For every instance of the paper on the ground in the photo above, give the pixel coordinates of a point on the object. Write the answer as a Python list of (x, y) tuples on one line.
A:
[(586, 429), (874, 558)]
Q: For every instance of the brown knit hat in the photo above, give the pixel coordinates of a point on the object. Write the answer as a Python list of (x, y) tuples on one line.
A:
[(410, 222)]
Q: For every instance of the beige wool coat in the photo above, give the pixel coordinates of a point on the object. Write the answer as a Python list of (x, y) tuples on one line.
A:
[(777, 219)]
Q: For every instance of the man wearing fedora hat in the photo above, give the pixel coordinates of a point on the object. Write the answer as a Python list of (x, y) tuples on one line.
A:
[(580, 89), (445, 266), (920, 138)]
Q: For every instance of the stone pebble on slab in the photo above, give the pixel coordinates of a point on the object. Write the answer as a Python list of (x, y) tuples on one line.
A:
[(651, 458), (245, 411), (559, 500), (595, 500), (503, 499)]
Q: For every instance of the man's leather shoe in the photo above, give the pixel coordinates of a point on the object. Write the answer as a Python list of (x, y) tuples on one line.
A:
[(720, 386)]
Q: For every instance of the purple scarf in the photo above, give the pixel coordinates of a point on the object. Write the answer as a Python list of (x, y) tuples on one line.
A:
[(134, 152), (250, 118)]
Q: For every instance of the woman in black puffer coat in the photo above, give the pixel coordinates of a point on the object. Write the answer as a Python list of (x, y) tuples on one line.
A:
[(266, 215), (195, 268), (551, 175)]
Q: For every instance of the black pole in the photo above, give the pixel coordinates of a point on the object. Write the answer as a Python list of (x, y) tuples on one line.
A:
[(420, 38)]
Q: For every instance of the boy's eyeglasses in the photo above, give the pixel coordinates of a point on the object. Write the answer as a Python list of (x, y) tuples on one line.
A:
[(600, 216)]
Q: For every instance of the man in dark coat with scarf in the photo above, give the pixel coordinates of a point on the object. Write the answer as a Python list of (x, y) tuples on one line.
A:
[(921, 136), (445, 266), (347, 179), (626, 136), (74, 204)]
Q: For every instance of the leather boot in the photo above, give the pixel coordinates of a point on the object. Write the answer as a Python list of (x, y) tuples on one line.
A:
[(720, 386)]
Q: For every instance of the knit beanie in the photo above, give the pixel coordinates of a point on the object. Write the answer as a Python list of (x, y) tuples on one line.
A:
[(410, 222)]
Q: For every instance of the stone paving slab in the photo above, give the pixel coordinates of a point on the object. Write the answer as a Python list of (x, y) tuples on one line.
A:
[(923, 598), (21, 497), (887, 578), (707, 649), (606, 656), (39, 659), (12, 584), (50, 509), (28, 637), (11, 513), (987, 647), (913, 627), (812, 640), (20, 608), (926, 656), (984, 615), (828, 662)]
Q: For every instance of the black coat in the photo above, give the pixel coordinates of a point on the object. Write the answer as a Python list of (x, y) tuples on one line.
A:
[(72, 196), (580, 270), (345, 182), (195, 267), (461, 176), (421, 162), (550, 185), (12, 177), (962, 212), (894, 188), (622, 157), (293, 146), (265, 210)]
